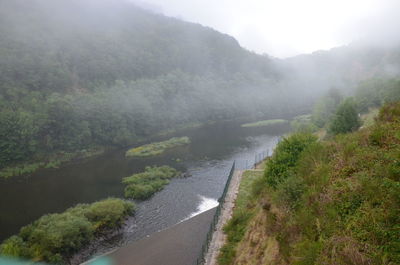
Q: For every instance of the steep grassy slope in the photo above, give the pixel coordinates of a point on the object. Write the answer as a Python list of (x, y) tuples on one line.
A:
[(332, 202)]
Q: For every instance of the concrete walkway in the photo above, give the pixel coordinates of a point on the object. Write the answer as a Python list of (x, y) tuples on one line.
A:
[(218, 238)]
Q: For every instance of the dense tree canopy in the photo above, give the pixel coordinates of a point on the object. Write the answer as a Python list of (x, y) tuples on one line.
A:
[(79, 74), (346, 118)]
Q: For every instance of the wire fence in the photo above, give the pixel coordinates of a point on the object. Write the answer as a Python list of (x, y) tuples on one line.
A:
[(249, 165)]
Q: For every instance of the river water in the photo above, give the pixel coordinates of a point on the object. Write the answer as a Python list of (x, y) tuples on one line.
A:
[(207, 159)]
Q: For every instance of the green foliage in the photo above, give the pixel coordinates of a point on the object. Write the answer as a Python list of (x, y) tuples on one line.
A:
[(349, 198), (285, 157), (54, 237), (117, 75), (143, 185), (53, 161), (264, 123), (158, 147), (14, 247), (235, 230), (345, 119), (339, 202), (244, 210), (373, 93), (368, 119), (108, 213), (308, 251), (303, 124), (289, 192), (389, 113), (18, 135), (325, 107)]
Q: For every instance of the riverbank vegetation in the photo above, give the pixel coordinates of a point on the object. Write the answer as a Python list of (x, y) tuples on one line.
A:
[(49, 161), (115, 82), (157, 148), (112, 82), (303, 123), (264, 123), (143, 185), (334, 114), (243, 212), (54, 238), (325, 202)]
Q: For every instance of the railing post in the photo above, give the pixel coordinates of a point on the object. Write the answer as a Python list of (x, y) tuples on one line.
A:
[(221, 200)]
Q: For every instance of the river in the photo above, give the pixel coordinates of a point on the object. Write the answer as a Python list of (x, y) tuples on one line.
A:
[(207, 159)]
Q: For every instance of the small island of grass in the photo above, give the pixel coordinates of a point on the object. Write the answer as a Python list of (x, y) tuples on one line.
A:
[(158, 147), (143, 185), (264, 123), (54, 238)]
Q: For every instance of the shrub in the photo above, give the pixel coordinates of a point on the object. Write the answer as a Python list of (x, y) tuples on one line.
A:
[(54, 237), (158, 147), (286, 155), (143, 185), (345, 119), (108, 213), (290, 191), (389, 112), (60, 234), (14, 247), (334, 202)]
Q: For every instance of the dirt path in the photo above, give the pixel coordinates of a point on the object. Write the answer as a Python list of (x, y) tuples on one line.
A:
[(219, 237)]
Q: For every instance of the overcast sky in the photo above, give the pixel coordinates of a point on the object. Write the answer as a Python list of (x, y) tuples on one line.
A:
[(284, 28)]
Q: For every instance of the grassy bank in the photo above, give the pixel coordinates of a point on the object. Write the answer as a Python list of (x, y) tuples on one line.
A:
[(325, 202), (157, 148), (243, 212), (368, 119), (54, 238), (57, 159), (143, 185), (264, 123), (49, 161)]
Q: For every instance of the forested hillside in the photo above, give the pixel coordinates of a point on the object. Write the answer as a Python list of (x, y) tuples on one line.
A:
[(345, 66), (78, 75), (329, 193)]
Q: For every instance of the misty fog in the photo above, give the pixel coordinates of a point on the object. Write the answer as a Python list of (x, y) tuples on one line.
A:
[(77, 76)]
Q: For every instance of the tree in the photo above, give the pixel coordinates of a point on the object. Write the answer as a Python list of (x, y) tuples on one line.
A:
[(345, 119), (325, 107)]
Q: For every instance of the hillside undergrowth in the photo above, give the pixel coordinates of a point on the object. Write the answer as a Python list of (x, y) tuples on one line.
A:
[(328, 202)]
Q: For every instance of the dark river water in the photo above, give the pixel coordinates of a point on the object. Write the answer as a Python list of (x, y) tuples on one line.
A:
[(208, 159)]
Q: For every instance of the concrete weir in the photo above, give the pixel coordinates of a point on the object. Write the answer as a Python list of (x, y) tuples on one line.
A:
[(177, 245)]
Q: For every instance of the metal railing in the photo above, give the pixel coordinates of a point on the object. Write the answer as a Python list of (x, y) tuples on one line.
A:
[(217, 214), (257, 159)]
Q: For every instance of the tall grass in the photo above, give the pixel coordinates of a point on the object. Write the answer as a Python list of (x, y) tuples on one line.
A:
[(157, 148), (143, 185), (264, 123), (332, 202), (55, 237)]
